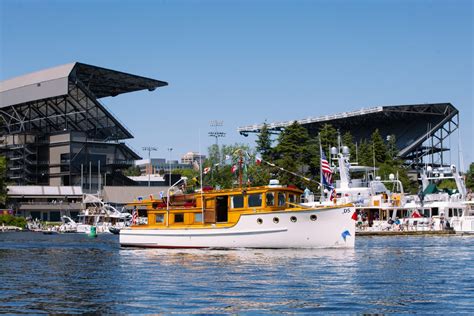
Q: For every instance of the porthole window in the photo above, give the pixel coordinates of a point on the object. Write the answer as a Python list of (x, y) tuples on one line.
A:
[(276, 220), (293, 219), (313, 217), (259, 221)]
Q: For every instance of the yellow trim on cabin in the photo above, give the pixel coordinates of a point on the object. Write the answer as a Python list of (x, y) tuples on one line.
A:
[(185, 211)]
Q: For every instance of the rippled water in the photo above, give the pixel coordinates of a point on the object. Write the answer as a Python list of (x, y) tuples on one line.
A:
[(76, 274)]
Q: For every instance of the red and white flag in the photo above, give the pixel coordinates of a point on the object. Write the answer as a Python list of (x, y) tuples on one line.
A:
[(258, 160), (206, 170), (233, 169)]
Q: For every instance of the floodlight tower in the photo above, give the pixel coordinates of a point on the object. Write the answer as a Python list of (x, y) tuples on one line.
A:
[(149, 149), (216, 133)]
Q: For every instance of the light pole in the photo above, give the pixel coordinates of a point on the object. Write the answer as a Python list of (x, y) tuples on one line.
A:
[(169, 162), (216, 133), (149, 149)]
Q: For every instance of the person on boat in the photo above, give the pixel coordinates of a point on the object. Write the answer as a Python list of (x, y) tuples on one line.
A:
[(441, 221), (306, 193), (397, 224)]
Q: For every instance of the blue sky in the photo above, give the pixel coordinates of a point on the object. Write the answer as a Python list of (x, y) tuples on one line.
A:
[(245, 62)]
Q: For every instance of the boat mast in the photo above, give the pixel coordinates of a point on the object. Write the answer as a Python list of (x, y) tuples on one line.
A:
[(240, 168)]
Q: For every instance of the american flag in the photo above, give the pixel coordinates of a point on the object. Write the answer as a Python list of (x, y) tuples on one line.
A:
[(327, 175), (134, 216), (326, 169)]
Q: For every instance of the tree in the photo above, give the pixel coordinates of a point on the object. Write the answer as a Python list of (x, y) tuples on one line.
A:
[(3, 181), (365, 154), (379, 149), (348, 140), (220, 174), (264, 143), (291, 153), (132, 171), (470, 177), (328, 136)]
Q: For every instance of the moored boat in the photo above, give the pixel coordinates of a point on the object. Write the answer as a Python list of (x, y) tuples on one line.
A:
[(249, 217)]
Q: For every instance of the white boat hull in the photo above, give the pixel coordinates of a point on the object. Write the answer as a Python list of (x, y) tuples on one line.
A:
[(333, 228)]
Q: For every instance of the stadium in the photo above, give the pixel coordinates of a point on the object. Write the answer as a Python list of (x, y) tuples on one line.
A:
[(56, 132), (421, 130)]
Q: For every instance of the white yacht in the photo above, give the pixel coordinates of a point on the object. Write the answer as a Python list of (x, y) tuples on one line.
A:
[(438, 209), (101, 215), (376, 200)]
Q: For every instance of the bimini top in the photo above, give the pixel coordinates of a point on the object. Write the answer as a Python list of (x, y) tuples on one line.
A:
[(54, 82)]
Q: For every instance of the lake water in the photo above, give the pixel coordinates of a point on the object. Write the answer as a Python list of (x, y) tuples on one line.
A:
[(73, 273)]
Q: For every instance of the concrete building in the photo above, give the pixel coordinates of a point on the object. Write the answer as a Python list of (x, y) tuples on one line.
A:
[(46, 203), (55, 131), (155, 165), (191, 157)]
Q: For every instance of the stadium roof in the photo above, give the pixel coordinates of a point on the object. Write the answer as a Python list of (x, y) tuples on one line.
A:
[(411, 124), (54, 81)]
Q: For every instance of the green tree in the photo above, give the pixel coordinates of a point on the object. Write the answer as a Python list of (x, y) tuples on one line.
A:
[(328, 136), (379, 149), (365, 154), (470, 177), (193, 181), (220, 174), (291, 153), (3, 181), (10, 220), (264, 143), (132, 171), (348, 140)]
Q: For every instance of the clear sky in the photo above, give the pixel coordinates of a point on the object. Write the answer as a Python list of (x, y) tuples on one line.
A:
[(245, 62)]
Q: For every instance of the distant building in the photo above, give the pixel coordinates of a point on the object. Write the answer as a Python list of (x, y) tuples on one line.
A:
[(46, 203), (191, 157), (155, 165), (155, 180)]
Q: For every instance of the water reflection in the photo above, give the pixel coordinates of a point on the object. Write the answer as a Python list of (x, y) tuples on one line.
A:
[(75, 274)]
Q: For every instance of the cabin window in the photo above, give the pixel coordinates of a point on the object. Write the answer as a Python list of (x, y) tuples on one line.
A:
[(237, 201), (179, 218), (255, 200), (198, 217), (159, 218), (270, 199), (434, 211), (292, 199), (281, 199), (450, 212)]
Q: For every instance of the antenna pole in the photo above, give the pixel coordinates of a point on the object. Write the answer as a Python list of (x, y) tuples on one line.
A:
[(148, 170)]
